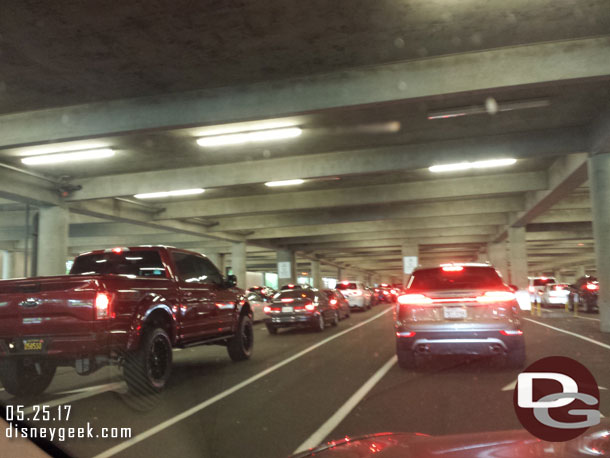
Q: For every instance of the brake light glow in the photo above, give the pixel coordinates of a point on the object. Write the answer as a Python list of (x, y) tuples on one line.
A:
[(345, 283), (414, 299), (453, 268), (267, 309), (310, 307), (291, 286), (592, 286), (117, 250), (333, 302), (558, 288), (287, 300), (532, 289), (102, 306), (496, 296), (511, 332), (405, 334)]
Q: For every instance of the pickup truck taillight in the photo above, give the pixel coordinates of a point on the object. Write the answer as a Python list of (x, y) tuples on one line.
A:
[(103, 302)]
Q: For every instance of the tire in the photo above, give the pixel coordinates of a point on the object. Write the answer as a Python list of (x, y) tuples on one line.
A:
[(241, 344), (348, 313), (335, 321), (406, 359), (515, 359), (23, 380), (147, 369), (272, 329), (319, 325)]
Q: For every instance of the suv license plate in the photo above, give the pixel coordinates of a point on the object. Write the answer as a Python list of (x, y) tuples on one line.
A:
[(33, 345), (287, 309), (455, 313)]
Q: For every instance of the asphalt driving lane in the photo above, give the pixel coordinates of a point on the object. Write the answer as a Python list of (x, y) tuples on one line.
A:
[(273, 415)]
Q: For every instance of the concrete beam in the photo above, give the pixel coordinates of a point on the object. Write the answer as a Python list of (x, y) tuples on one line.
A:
[(375, 227), (387, 212), (365, 195), (340, 246), (27, 189), (474, 71), (565, 174), (343, 163)]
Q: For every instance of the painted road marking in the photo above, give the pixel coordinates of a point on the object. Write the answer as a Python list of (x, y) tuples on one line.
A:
[(330, 424), (199, 407), (593, 341)]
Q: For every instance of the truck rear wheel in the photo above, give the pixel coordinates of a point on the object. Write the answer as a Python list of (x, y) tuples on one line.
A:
[(25, 379), (240, 345), (147, 369)]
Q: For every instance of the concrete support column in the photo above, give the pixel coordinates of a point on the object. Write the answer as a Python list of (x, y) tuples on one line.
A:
[(7, 265), (409, 250), (580, 272), (496, 254), (238, 262), (286, 267), (518, 257), (339, 274), (316, 274), (218, 259), (558, 276), (599, 179), (52, 241)]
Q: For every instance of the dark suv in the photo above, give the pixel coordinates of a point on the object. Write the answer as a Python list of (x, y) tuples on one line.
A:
[(463, 309)]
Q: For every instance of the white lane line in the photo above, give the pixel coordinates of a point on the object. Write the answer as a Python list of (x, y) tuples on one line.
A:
[(586, 318), (81, 395), (330, 424), (593, 341), (199, 407)]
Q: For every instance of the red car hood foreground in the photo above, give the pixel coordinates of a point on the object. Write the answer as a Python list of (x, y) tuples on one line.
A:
[(498, 444)]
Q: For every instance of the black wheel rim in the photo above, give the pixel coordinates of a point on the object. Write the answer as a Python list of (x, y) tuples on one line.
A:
[(246, 337), (158, 359)]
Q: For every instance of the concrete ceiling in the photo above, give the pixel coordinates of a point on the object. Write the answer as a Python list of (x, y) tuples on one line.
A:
[(149, 78)]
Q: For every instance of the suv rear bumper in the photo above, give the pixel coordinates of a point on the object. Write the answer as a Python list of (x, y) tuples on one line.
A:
[(481, 343), (57, 347)]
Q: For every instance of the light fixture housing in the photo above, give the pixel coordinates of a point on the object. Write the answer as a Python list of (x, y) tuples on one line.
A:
[(254, 136), (481, 109), (275, 184), (472, 165), (57, 158), (160, 195)]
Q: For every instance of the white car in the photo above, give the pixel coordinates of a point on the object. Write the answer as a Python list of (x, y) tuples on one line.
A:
[(258, 303), (536, 287), (555, 294), (356, 293)]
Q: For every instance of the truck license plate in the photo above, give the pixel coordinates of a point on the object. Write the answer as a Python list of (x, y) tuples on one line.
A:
[(33, 345), (455, 313)]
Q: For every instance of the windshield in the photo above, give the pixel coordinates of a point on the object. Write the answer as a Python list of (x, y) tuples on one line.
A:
[(244, 228)]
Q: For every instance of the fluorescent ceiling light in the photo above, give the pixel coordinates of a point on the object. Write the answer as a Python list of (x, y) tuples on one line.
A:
[(249, 137), (241, 128), (481, 109), (273, 184), (159, 195), (68, 157), (472, 165)]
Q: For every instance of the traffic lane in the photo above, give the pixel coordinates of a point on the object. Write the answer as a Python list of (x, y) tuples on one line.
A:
[(198, 374), (453, 396), (273, 416)]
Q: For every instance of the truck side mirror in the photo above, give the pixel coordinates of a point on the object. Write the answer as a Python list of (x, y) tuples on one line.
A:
[(231, 281)]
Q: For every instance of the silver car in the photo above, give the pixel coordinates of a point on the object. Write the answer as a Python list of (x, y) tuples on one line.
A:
[(458, 309)]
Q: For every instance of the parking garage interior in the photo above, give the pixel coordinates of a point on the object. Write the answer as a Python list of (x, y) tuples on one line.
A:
[(312, 142)]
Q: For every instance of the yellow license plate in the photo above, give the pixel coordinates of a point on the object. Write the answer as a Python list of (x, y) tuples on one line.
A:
[(32, 345)]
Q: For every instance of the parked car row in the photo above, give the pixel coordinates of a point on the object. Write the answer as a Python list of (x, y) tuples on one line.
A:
[(582, 294)]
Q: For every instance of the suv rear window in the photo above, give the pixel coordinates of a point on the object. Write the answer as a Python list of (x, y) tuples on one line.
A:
[(343, 286), (138, 263), (467, 278)]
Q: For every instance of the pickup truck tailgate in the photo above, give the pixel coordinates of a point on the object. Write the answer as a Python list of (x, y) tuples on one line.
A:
[(56, 306)]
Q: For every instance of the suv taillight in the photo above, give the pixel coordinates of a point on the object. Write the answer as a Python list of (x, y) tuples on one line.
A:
[(496, 296), (103, 302), (414, 299)]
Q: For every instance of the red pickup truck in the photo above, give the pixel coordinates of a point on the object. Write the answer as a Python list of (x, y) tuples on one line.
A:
[(126, 306)]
